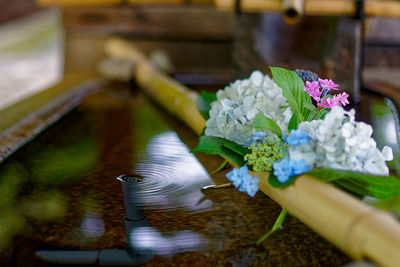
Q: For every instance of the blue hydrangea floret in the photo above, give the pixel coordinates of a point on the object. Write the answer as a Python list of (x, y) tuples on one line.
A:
[(286, 168), (255, 137), (299, 167), (242, 180), (282, 170), (297, 137)]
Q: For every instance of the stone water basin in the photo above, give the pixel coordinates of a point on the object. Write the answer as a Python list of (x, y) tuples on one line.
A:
[(61, 199)]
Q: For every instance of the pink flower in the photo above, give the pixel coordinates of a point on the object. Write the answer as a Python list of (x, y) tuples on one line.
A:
[(343, 98), (328, 84), (329, 102), (312, 88), (321, 95)]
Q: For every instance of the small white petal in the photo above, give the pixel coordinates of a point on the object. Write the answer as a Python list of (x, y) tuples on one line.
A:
[(257, 78), (364, 129), (245, 83), (387, 153), (347, 130)]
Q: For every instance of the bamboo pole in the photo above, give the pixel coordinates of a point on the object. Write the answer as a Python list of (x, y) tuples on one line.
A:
[(171, 94), (292, 10), (383, 8), (154, 2), (86, 3), (77, 3), (358, 229)]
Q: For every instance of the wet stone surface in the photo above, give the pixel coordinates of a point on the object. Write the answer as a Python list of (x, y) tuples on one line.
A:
[(117, 132)]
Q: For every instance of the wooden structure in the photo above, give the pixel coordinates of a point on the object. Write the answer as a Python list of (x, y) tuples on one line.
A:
[(382, 8), (86, 3)]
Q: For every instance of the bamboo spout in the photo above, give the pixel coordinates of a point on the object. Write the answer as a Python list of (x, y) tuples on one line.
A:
[(358, 229), (176, 98), (292, 10)]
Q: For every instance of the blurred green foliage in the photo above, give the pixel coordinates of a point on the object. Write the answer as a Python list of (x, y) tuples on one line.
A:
[(147, 123), (31, 182)]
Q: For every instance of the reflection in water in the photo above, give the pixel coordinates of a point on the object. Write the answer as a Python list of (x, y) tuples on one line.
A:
[(30, 181), (17, 209), (92, 225), (172, 175), (145, 239), (65, 163)]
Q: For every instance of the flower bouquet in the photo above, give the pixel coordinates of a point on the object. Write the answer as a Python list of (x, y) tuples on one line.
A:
[(291, 125), (336, 155)]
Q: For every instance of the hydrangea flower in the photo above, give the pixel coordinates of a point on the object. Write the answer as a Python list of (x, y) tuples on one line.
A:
[(306, 75), (329, 102), (299, 167), (343, 98), (297, 137), (282, 170), (319, 92), (339, 142), (243, 180), (255, 137), (250, 186), (286, 168), (328, 84), (265, 151), (232, 115), (312, 88)]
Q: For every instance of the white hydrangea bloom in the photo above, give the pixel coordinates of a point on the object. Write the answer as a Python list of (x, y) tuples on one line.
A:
[(237, 104), (339, 142)]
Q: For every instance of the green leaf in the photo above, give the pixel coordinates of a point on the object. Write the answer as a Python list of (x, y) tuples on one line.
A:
[(352, 187), (223, 147), (308, 114), (348, 190), (241, 150), (321, 115), (203, 132), (380, 187), (274, 182), (203, 103), (263, 123), (391, 204), (325, 174), (277, 225), (292, 88), (293, 122), (311, 115), (310, 106)]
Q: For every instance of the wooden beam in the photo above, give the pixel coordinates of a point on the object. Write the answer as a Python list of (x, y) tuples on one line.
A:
[(173, 22), (383, 8), (85, 3), (155, 2), (77, 3)]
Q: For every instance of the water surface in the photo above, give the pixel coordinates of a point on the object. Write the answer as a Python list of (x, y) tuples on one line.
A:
[(60, 192)]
